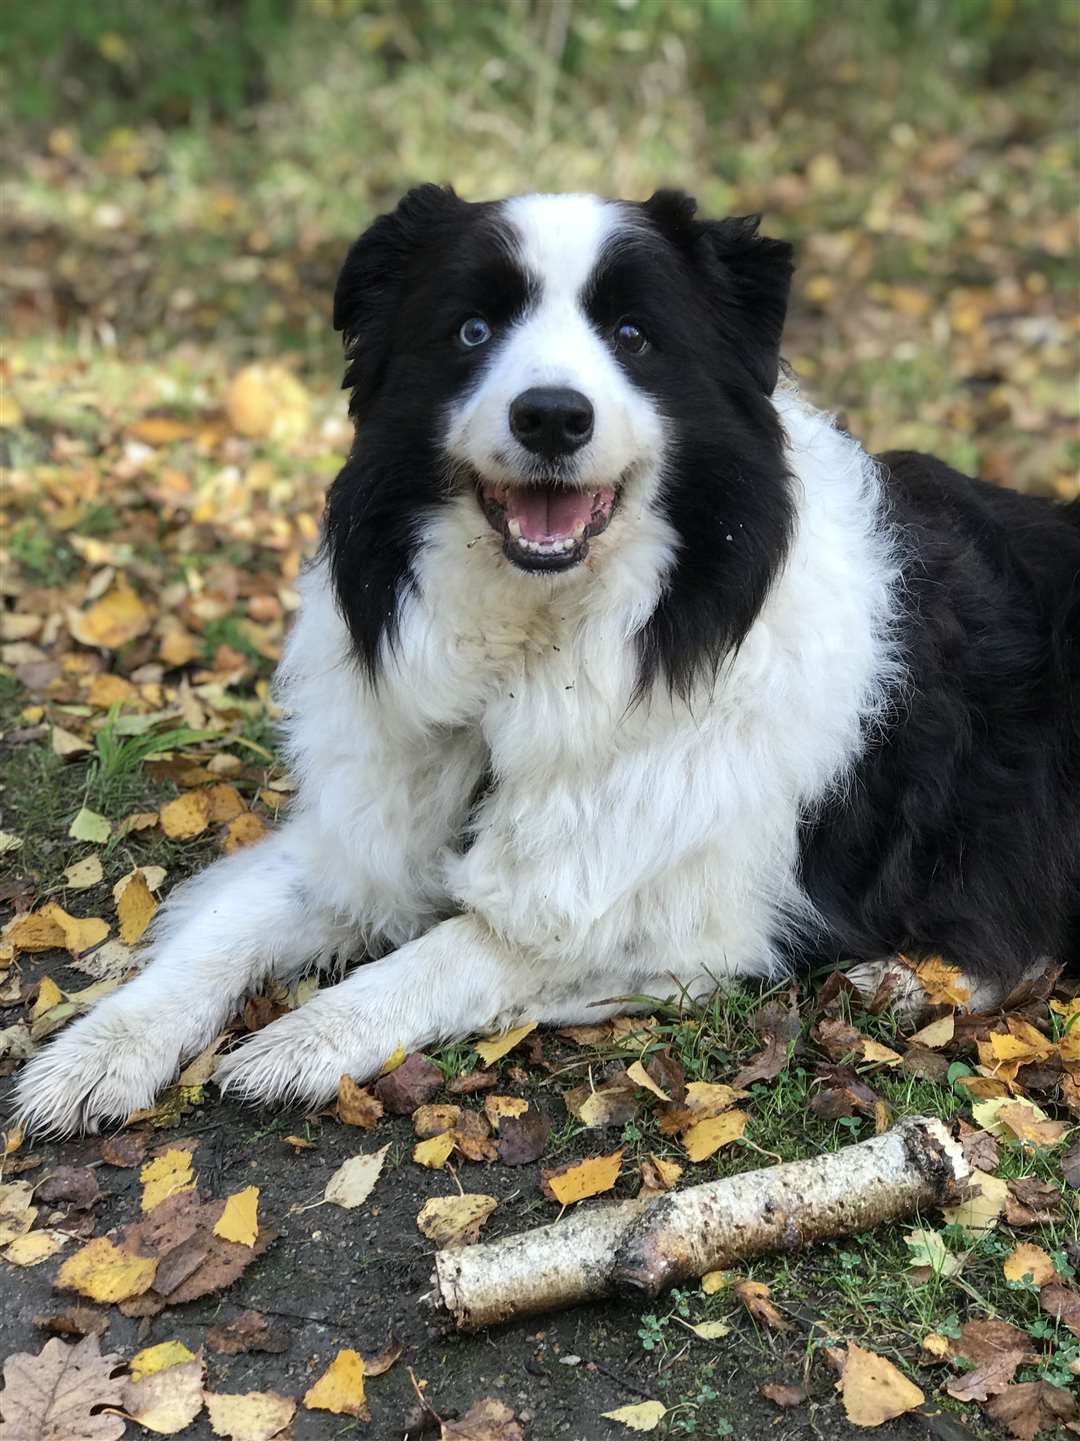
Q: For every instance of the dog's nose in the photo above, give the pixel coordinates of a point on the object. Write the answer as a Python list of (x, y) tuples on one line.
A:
[(551, 420)]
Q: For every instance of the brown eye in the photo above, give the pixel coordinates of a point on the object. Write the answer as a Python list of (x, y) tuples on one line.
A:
[(629, 338)]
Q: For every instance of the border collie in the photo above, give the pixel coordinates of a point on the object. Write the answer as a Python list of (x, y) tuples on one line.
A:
[(622, 671)]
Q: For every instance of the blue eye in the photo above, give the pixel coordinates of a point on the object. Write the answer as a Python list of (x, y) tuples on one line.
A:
[(476, 331), (628, 337)]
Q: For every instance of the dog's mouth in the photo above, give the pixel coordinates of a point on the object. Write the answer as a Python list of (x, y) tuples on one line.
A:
[(546, 527)]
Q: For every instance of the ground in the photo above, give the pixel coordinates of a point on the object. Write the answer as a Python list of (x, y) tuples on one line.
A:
[(170, 417)]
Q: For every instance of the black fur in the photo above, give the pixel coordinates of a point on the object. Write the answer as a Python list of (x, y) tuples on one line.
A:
[(959, 831)]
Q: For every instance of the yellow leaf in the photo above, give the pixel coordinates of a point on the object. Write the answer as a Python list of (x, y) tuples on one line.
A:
[(104, 1272), (393, 1061), (51, 927), (34, 1247), (1029, 1260), (495, 1107), (152, 1359), (944, 984), (667, 1172), (356, 1106), (117, 618), (340, 1388), (874, 1051), (640, 1077), (1006, 1117), (935, 1344), (706, 1137), (135, 908), (49, 995), (245, 830), (450, 1220), (435, 1151), (588, 1178), (178, 647), (165, 1176), (89, 826), (240, 1219), (705, 1099), (352, 1182), (874, 1390), (937, 1033), (641, 1416), (16, 1213), (251, 1416), (66, 743), (169, 1400), (710, 1330), (714, 1281), (495, 1047), (981, 1211), (267, 401), (84, 874), (186, 817)]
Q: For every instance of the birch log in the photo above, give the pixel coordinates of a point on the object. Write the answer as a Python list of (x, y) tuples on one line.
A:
[(644, 1246)]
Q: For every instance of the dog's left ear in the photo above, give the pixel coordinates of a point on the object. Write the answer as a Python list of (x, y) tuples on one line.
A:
[(369, 287), (747, 276)]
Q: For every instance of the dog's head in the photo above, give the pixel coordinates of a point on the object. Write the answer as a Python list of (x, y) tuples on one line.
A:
[(561, 366)]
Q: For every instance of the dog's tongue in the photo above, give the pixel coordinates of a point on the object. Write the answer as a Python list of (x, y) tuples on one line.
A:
[(548, 513)]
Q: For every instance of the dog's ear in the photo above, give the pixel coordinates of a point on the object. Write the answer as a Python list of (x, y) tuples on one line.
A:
[(369, 287), (747, 276)]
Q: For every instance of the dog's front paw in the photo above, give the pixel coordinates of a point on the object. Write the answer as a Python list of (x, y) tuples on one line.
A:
[(108, 1064), (301, 1058)]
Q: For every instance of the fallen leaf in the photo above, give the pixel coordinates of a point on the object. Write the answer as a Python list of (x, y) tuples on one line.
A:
[(89, 826), (754, 1295), (165, 1176), (153, 1359), (944, 985), (875, 1052), (116, 619), (988, 1378), (249, 1415), (590, 1177), (74, 1186), (266, 401), (380, 1363), (186, 817), (982, 1208), (454, 1220), (706, 1137), (250, 1331), (613, 1103), (928, 1250), (641, 1416), (641, 1077), (84, 874), (352, 1182), (74, 1321), (340, 1388), (1031, 1407), (874, 1391), (485, 1420), (49, 995), (496, 1107), (135, 909), (714, 1281), (493, 1048), (432, 1120), (34, 1247), (705, 1099), (523, 1139), (239, 1221), (1063, 1304), (936, 1345), (472, 1081), (66, 743), (435, 1151), (937, 1034), (51, 927), (1032, 1202), (1028, 1123), (50, 1396), (1029, 1260), (658, 1174), (167, 1401), (408, 1085), (245, 830), (356, 1106), (126, 1150), (786, 1397), (709, 1330), (105, 1272)]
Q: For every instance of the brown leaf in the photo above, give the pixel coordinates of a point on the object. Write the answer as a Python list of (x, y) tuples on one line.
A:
[(838, 1039), (522, 1139), (472, 1137), (377, 1365), (1063, 1304), (356, 1106), (50, 1396), (614, 1102), (486, 1420), (668, 1074), (1070, 1165), (1031, 1407), (434, 1120), (980, 1149), (754, 1295), (474, 1081), (411, 1084), (74, 1186), (250, 1331), (125, 1150), (74, 1321), (778, 1025), (981, 1342), (988, 1378), (783, 1396)]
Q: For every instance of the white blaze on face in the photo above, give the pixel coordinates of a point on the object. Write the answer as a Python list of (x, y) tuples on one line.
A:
[(559, 240)]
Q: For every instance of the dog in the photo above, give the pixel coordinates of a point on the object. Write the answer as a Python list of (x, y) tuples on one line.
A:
[(621, 671)]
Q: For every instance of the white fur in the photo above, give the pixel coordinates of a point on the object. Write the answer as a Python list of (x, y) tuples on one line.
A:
[(622, 850)]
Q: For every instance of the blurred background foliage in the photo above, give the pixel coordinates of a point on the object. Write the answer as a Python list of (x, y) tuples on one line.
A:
[(190, 170)]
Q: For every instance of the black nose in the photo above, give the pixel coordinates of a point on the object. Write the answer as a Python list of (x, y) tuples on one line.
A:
[(551, 420)]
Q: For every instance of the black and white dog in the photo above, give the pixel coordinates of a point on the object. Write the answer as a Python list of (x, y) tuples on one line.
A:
[(622, 671)]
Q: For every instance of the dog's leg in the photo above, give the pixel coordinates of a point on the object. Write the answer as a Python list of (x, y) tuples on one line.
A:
[(247, 919), (908, 997)]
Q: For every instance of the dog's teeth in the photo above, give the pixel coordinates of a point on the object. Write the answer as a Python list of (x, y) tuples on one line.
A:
[(514, 527), (579, 530)]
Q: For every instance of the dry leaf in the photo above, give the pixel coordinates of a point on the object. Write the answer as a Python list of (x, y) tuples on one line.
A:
[(352, 1182), (66, 743), (495, 1107), (454, 1220), (356, 1106), (250, 1331), (84, 874), (709, 1330), (152, 1359), (117, 618), (714, 1281), (50, 1397), (493, 1048), (186, 817), (937, 1034), (266, 401), (754, 1295), (49, 995), (249, 1416), (89, 826), (874, 1390), (239, 1221), (34, 1247), (641, 1077), (522, 1139), (1031, 1407), (411, 1083), (585, 1178), (1029, 1260), (105, 1272), (641, 1416), (945, 985), (485, 1420), (135, 908), (379, 1364), (245, 830), (340, 1388), (435, 1151), (434, 1120), (165, 1176), (981, 1210), (167, 1401), (1063, 1304), (706, 1137)]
